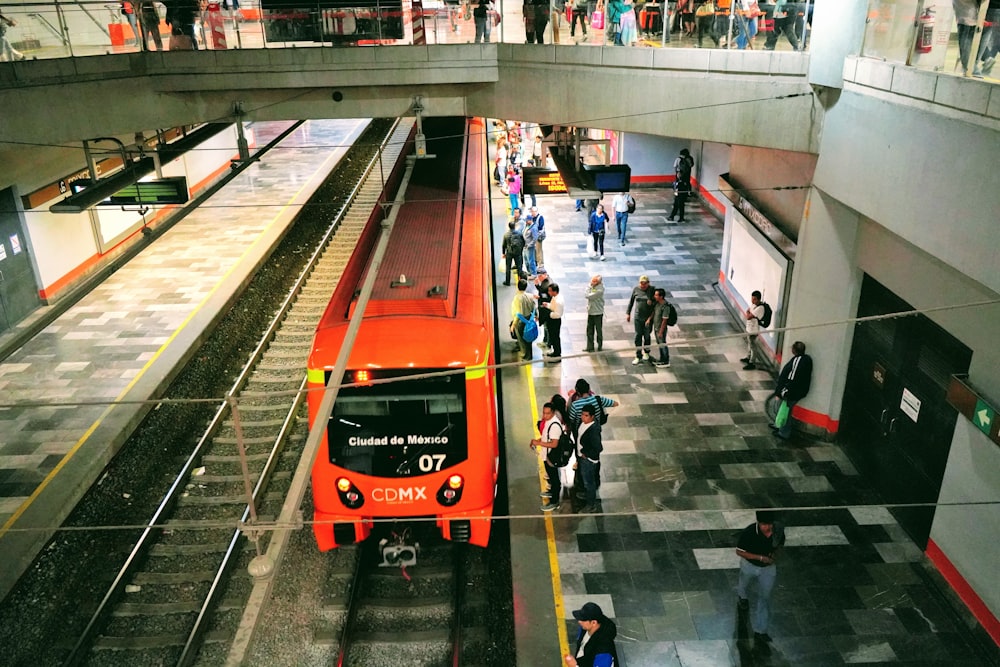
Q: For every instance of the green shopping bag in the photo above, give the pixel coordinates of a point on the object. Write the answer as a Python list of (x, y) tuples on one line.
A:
[(781, 418)]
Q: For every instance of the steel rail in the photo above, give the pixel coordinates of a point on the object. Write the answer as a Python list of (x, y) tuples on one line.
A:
[(144, 542)]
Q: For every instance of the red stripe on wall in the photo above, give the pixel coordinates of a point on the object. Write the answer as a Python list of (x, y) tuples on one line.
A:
[(824, 422), (653, 179), (965, 591), (709, 198), (49, 291)]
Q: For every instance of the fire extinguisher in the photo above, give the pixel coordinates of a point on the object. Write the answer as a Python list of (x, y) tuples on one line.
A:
[(925, 39)]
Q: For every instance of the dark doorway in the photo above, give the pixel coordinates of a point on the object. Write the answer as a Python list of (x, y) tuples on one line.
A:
[(18, 289), (897, 426)]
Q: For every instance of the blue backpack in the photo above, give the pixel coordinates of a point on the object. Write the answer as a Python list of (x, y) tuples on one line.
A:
[(530, 328)]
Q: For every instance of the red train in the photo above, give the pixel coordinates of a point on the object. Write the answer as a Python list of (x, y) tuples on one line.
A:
[(423, 447)]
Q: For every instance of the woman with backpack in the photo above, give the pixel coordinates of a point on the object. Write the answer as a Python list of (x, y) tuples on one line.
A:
[(596, 228)]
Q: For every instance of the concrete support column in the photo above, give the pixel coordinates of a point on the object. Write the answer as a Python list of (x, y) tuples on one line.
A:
[(826, 286)]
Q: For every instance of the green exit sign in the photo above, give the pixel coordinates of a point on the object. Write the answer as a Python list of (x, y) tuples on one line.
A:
[(984, 416), (158, 191)]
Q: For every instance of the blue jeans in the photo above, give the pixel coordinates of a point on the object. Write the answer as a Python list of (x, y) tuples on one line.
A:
[(642, 335), (621, 222), (760, 615), (587, 470), (515, 201), (532, 264)]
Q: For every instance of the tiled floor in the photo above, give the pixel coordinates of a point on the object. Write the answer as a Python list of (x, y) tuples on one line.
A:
[(125, 336), (689, 456)]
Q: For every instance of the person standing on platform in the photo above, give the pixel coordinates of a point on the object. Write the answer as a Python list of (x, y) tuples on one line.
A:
[(543, 297), (658, 323), (128, 11), (793, 384), (620, 205), (149, 18), (596, 228), (595, 639), (682, 189), (552, 427), (579, 14), (753, 316), (514, 188), (966, 16), (595, 313), (540, 227), (580, 396), (513, 247), (555, 306), (683, 166), (530, 235), (588, 456), (783, 23), (757, 547), (7, 50), (524, 305), (643, 299)]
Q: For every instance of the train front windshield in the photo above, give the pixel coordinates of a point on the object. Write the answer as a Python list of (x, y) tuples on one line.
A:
[(405, 428)]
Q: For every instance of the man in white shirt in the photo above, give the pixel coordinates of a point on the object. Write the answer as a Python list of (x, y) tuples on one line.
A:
[(556, 307), (550, 430), (752, 315), (620, 204)]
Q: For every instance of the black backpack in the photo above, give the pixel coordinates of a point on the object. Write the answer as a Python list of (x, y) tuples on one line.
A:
[(671, 315), (765, 321), (602, 414), (560, 455), (630, 203)]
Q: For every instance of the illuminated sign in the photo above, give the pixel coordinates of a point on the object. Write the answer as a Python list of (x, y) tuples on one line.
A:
[(535, 181), (158, 191)]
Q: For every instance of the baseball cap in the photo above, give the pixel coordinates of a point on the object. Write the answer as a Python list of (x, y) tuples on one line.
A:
[(643, 279), (539, 270), (589, 612), (765, 516)]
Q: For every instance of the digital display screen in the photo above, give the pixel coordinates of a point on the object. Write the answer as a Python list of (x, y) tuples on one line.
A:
[(536, 181), (611, 178), (160, 191)]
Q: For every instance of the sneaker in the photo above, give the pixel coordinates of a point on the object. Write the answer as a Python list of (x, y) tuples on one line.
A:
[(743, 603), (636, 361), (552, 359), (590, 509), (545, 494), (588, 349), (603, 258), (745, 360), (594, 256), (662, 364), (621, 243), (645, 355), (671, 218), (749, 367), (550, 507)]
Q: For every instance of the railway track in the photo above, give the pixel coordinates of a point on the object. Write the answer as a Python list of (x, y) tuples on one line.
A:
[(175, 597), (425, 616)]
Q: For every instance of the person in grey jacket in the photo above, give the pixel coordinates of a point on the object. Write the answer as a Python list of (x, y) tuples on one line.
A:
[(595, 313)]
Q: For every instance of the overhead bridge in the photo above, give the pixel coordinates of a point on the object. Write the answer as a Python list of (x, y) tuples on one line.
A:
[(753, 98)]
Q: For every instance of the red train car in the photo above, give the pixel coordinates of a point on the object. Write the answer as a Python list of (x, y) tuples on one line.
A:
[(415, 447)]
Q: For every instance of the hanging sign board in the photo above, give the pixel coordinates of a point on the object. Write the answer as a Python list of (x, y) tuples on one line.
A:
[(535, 181), (158, 191)]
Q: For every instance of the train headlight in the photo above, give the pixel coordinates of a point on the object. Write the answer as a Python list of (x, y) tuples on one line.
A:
[(451, 491), (349, 494)]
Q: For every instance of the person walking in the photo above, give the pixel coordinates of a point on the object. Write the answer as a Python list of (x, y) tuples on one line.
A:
[(658, 323), (588, 456), (753, 316), (596, 228), (523, 304), (595, 313), (595, 639), (512, 249), (784, 24), (149, 19), (966, 16), (552, 427), (514, 188), (555, 307), (7, 50), (620, 205), (793, 384), (579, 14), (642, 299), (758, 547)]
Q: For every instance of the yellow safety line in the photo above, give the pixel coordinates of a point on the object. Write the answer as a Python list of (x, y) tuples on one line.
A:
[(550, 533), (93, 427)]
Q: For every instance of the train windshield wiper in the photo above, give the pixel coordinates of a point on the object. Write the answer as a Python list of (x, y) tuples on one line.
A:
[(409, 459)]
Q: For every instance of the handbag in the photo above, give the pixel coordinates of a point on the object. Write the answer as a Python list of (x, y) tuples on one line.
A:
[(706, 9), (181, 42), (781, 418), (597, 20), (496, 17)]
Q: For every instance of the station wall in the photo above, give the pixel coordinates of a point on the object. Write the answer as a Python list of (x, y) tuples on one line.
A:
[(68, 247)]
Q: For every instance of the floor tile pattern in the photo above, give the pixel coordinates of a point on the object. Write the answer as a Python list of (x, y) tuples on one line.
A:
[(689, 456)]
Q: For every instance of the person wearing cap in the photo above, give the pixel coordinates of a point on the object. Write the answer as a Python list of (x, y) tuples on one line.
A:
[(643, 300), (595, 639), (595, 313), (757, 548)]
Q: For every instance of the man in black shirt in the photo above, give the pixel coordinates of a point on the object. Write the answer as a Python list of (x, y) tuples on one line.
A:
[(757, 548), (793, 384)]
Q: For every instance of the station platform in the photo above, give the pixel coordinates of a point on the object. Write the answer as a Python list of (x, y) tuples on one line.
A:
[(128, 337), (688, 458)]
